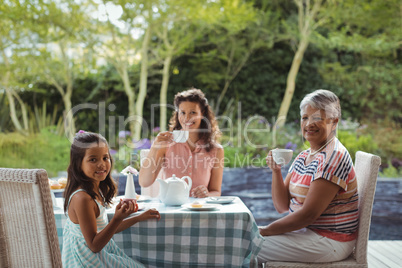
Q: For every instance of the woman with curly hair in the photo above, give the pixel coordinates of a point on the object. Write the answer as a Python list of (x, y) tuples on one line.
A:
[(200, 157)]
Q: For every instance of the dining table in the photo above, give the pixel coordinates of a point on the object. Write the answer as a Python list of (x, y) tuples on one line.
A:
[(220, 235)]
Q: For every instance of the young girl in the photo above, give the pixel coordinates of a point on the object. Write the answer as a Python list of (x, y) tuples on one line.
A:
[(87, 235), (200, 158)]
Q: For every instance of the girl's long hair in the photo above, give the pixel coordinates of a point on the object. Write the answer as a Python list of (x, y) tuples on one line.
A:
[(77, 179), (209, 129)]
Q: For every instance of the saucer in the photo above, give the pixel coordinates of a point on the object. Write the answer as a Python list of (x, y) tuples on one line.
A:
[(220, 199)]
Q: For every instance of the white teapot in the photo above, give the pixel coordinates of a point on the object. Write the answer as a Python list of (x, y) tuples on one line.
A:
[(174, 191)]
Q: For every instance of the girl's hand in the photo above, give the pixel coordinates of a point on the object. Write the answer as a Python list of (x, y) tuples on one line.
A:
[(163, 139), (149, 214), (271, 163), (200, 192), (124, 209)]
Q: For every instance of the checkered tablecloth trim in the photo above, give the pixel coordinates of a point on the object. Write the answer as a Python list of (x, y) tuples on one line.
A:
[(60, 223)]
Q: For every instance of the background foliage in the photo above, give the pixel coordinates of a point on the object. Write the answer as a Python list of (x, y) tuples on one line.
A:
[(47, 49)]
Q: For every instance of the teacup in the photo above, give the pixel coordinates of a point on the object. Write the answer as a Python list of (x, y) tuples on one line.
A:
[(180, 136), (282, 156)]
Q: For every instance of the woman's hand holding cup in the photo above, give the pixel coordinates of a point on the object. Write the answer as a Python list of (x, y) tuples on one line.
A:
[(278, 157), (163, 139), (180, 136), (271, 162), (166, 137)]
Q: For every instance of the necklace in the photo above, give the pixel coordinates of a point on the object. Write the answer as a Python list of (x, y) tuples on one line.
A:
[(312, 154)]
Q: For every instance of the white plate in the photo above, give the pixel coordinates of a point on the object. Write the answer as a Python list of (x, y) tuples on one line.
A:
[(205, 207), (220, 199), (57, 190), (144, 198)]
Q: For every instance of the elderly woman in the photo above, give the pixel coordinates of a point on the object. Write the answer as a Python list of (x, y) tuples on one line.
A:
[(320, 192)]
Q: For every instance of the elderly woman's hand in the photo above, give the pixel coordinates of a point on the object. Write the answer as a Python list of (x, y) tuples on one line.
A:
[(263, 230), (271, 163)]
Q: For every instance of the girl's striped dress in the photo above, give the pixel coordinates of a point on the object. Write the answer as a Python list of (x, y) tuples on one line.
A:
[(76, 253), (340, 220)]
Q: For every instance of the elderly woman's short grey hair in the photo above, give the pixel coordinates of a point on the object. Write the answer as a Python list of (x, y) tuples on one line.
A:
[(324, 100)]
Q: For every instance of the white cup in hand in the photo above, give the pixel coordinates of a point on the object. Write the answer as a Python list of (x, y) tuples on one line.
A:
[(282, 156), (180, 136)]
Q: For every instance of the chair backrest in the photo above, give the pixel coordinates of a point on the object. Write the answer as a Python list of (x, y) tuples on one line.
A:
[(28, 234), (366, 167), (152, 190)]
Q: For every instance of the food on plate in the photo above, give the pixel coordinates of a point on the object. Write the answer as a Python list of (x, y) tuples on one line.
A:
[(63, 182), (128, 200), (196, 204), (54, 185), (138, 196)]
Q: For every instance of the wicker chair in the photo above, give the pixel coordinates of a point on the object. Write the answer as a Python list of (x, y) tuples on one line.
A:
[(366, 167), (152, 190), (28, 235)]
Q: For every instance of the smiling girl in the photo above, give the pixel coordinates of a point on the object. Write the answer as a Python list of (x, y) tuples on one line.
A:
[(87, 235), (200, 158)]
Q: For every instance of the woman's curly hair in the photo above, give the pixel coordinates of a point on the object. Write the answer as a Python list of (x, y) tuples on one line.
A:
[(211, 134)]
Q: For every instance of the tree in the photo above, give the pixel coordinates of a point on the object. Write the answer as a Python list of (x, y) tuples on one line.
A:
[(311, 15), (144, 68), (261, 32), (60, 54), (179, 24), (9, 83), (13, 36), (364, 43), (239, 30), (123, 47)]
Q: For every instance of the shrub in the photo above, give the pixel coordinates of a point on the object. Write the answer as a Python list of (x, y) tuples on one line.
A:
[(249, 148), (389, 140), (391, 172), (354, 142), (45, 150), (50, 151)]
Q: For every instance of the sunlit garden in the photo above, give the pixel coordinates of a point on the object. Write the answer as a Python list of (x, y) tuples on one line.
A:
[(113, 67)]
